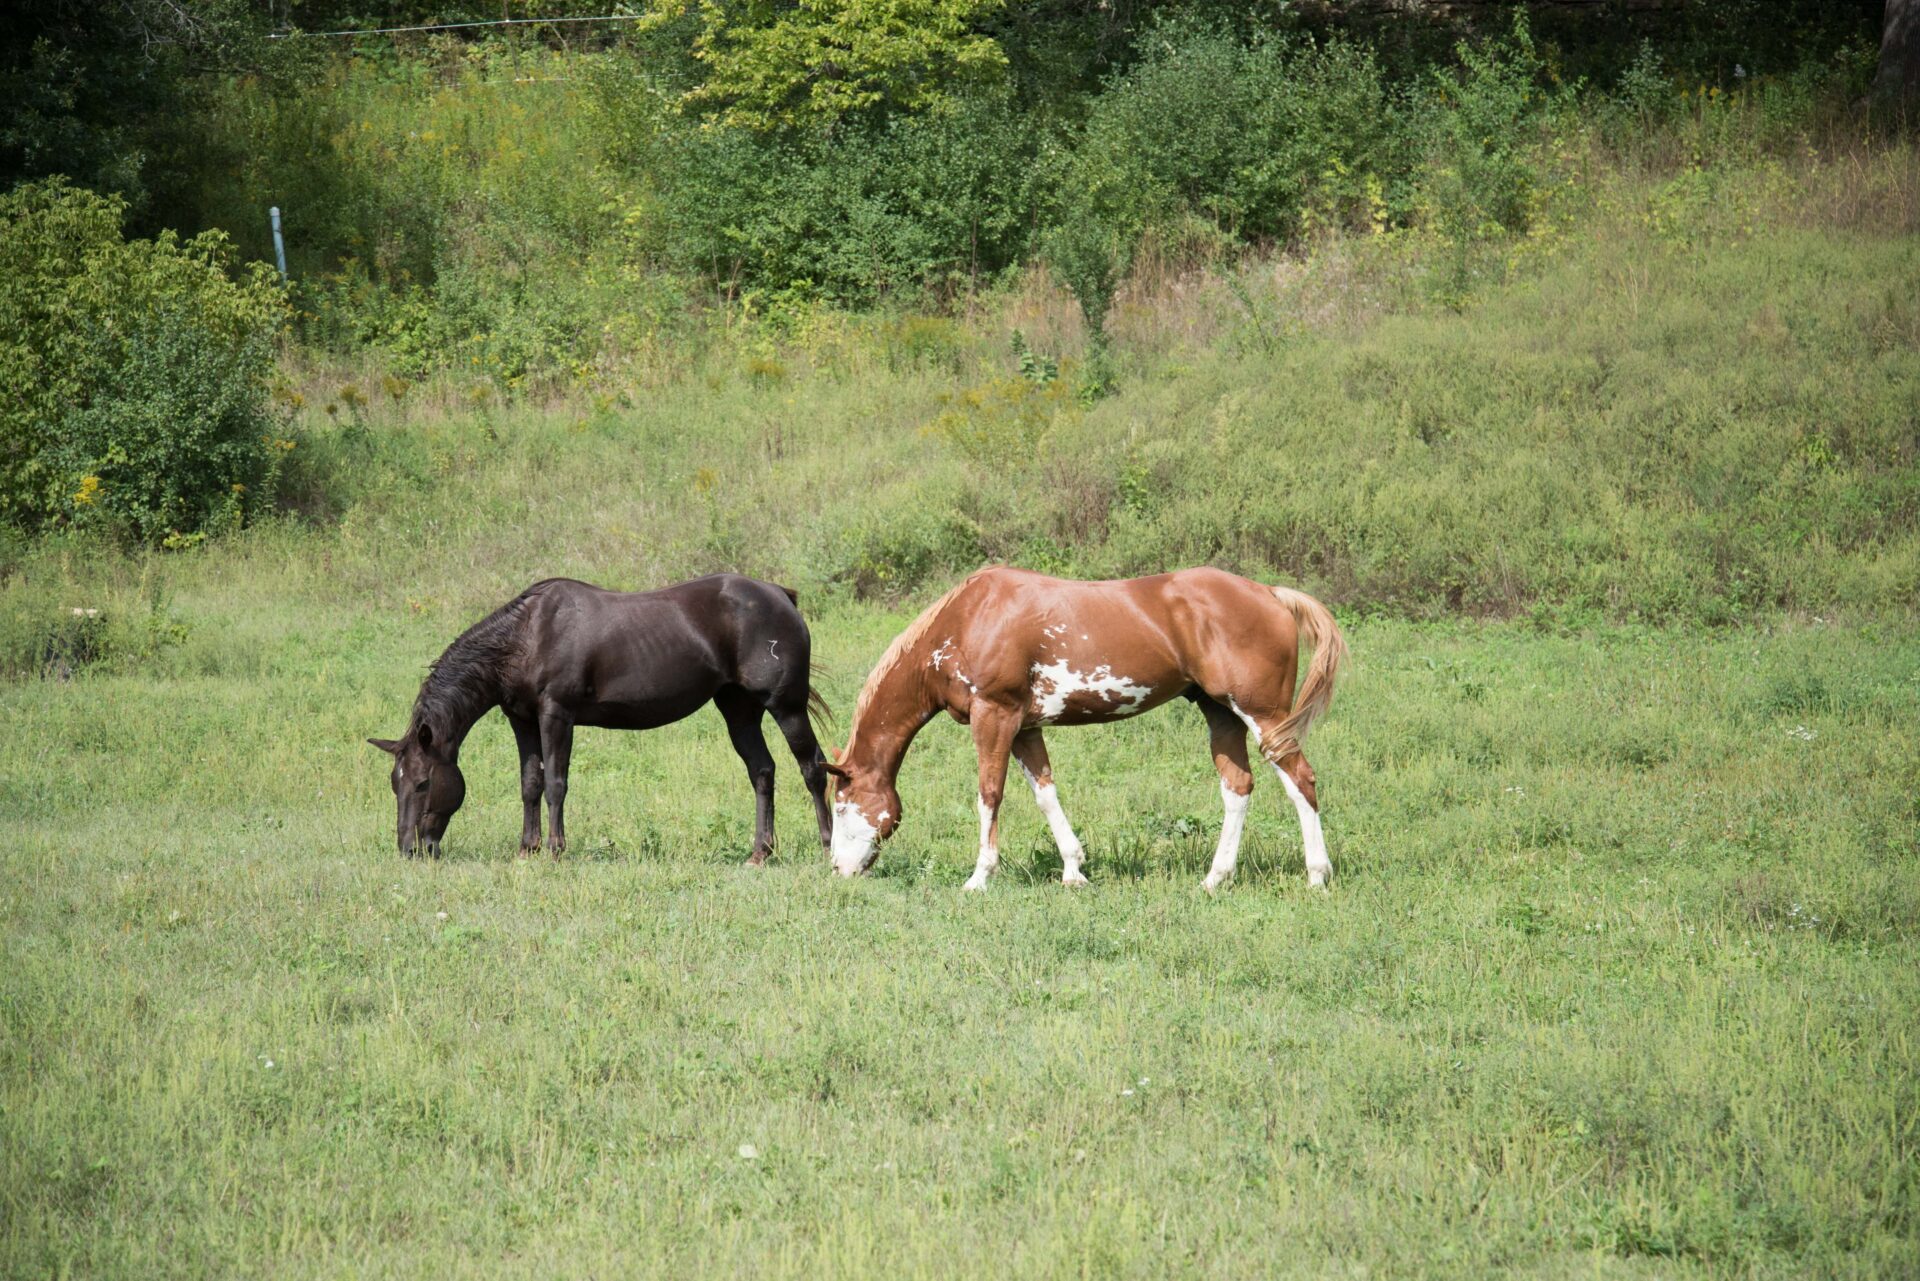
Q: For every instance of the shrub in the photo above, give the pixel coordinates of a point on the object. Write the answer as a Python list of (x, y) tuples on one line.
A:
[(904, 204), (132, 373), (903, 539), (1002, 421), (1484, 126), (1251, 138)]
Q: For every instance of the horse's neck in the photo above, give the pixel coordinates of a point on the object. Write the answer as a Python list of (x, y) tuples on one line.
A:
[(452, 705), (899, 709)]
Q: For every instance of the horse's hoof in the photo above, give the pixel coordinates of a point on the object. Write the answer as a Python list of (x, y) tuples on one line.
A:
[(1213, 883), (975, 885), (1072, 881)]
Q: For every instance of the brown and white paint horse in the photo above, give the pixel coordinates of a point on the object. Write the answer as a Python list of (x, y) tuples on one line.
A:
[(1008, 652)]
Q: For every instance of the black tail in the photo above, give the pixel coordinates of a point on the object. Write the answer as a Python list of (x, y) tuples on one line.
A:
[(818, 712)]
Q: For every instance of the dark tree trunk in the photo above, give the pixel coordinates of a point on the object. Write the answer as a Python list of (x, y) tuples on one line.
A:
[(1898, 82)]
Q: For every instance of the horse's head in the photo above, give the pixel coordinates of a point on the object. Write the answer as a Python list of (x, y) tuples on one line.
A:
[(866, 809), (427, 787)]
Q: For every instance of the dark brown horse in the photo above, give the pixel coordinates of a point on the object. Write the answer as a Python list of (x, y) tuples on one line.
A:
[(1008, 652), (564, 653)]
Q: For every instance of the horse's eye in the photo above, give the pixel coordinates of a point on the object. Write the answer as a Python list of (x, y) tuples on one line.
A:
[(421, 786)]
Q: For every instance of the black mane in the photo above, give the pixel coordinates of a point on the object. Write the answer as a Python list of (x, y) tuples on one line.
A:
[(465, 680)]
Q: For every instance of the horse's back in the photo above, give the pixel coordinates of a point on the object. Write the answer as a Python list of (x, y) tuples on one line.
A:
[(1200, 592), (637, 659)]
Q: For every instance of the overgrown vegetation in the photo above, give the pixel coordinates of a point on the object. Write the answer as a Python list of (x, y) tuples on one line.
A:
[(531, 219), (430, 216), (132, 373)]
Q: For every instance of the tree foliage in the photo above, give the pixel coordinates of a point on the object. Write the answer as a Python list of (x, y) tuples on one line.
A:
[(776, 65)]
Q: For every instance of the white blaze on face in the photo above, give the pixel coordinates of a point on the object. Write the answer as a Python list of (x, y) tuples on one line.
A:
[(1055, 682), (854, 836)]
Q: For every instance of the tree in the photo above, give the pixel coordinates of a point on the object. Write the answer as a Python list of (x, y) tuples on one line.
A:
[(1898, 82), (96, 92), (775, 66)]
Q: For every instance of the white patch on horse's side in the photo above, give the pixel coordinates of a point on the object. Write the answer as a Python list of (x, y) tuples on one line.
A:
[(773, 647), (1226, 855), (853, 838), (1054, 683), (1318, 865)]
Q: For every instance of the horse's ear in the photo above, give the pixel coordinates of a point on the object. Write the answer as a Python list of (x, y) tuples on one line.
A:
[(837, 772), (425, 735), (387, 745)]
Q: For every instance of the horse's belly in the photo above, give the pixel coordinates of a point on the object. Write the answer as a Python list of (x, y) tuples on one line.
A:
[(638, 712)]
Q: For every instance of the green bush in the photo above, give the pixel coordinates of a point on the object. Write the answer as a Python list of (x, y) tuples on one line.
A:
[(450, 212), (902, 540), (1484, 121), (132, 372), (907, 204), (1253, 139)]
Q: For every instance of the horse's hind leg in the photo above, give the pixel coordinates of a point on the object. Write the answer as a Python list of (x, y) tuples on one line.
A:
[(1030, 750), (526, 736), (743, 713), (812, 761), (1229, 743), (1296, 776)]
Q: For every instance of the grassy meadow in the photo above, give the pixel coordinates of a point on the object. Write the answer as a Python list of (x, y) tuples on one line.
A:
[(1618, 971)]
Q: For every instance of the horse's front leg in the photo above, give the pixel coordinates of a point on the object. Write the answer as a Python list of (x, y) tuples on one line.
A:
[(556, 748), (526, 736), (994, 729)]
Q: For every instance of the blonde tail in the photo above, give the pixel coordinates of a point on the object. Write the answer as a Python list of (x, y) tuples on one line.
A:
[(1318, 629)]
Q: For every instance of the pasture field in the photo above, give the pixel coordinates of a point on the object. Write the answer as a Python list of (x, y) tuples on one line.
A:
[(1617, 977)]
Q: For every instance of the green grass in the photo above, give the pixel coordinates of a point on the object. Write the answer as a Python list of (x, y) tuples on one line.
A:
[(1619, 968), (1616, 978)]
